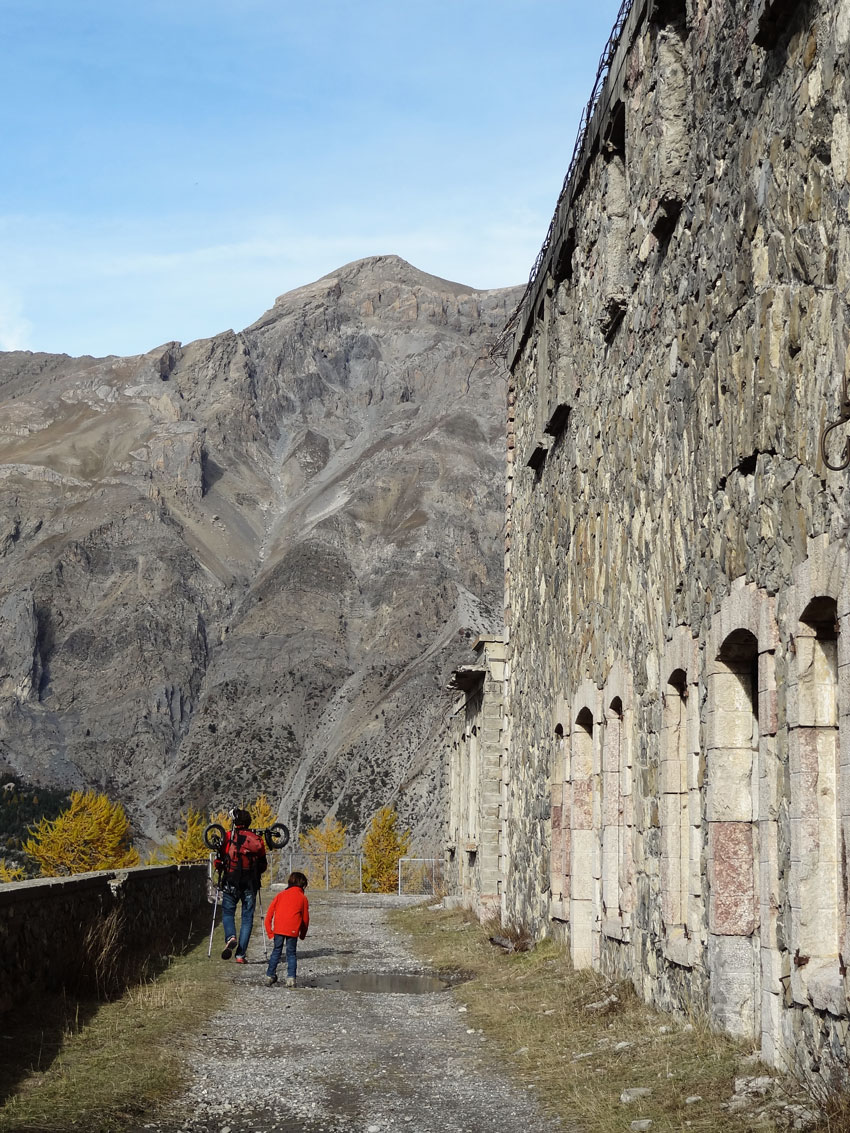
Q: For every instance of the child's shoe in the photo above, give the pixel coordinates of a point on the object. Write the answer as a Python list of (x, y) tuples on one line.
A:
[(290, 981), (271, 981)]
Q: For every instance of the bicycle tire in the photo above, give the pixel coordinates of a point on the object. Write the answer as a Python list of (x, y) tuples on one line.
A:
[(276, 836), (214, 836)]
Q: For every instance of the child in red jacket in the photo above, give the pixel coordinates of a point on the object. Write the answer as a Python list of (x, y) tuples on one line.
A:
[(287, 919)]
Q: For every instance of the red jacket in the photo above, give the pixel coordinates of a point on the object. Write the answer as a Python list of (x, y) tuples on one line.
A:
[(288, 914)]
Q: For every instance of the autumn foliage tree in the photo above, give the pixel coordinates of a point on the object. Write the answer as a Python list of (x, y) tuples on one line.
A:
[(10, 872), (319, 841), (187, 843), (383, 845), (92, 833)]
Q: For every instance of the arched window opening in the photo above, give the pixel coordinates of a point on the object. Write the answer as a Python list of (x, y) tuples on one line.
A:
[(675, 826), (817, 897), (584, 870), (560, 854), (732, 764), (615, 849)]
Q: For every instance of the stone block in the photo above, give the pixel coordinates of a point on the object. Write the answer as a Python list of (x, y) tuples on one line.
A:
[(614, 928), (731, 692), (582, 805), (611, 757), (676, 947), (581, 762), (583, 862), (733, 997), (771, 1031), (729, 785), (732, 903), (774, 965), (768, 712), (610, 799), (673, 776)]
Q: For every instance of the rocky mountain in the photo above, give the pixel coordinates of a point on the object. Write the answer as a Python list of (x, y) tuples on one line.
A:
[(249, 563)]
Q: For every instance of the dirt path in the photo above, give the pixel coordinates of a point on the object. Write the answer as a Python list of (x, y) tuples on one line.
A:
[(327, 1059)]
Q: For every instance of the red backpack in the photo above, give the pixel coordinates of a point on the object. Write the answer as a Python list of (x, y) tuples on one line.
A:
[(244, 854)]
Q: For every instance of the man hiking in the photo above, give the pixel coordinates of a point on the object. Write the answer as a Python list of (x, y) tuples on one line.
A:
[(242, 860)]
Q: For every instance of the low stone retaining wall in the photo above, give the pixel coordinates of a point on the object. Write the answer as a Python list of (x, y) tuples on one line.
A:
[(94, 931)]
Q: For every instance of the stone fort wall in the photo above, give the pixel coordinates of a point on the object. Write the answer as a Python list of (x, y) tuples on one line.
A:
[(677, 561)]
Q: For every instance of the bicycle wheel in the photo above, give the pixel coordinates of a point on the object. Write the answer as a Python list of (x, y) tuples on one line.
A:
[(276, 836), (214, 836)]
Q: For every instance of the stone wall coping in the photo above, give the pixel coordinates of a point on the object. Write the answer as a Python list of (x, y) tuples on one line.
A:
[(37, 888)]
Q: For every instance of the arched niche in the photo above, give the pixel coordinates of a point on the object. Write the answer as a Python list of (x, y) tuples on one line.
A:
[(585, 857), (740, 764)]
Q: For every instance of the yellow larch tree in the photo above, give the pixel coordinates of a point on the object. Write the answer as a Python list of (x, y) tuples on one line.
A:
[(383, 845), (92, 833), (319, 841), (10, 872), (263, 815), (186, 844)]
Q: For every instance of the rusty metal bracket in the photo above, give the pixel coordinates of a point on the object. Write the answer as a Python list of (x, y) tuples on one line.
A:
[(844, 417)]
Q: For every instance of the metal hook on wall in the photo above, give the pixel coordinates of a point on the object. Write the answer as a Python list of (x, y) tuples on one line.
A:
[(844, 417)]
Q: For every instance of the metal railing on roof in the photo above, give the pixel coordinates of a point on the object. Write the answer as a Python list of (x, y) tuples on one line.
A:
[(501, 346)]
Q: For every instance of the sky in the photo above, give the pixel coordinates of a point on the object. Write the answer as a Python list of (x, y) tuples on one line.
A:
[(170, 167)]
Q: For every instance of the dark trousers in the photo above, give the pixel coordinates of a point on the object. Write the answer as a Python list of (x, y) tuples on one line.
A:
[(291, 955)]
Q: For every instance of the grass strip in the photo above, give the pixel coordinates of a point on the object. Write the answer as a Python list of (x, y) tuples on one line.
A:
[(97, 1066), (580, 1040)]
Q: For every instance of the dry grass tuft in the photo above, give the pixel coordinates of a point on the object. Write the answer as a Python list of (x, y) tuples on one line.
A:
[(828, 1093), (581, 1040), (98, 1066)]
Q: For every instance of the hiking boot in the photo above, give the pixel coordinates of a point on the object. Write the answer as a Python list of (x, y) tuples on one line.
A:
[(241, 960), (271, 981), (229, 945), (290, 981)]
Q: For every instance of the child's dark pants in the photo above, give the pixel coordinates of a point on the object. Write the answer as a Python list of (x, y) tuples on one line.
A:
[(291, 956)]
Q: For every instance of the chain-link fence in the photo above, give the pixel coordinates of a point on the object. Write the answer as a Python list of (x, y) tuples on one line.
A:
[(425, 877), (343, 872)]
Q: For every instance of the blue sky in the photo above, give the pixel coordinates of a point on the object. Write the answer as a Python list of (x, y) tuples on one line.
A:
[(169, 168)]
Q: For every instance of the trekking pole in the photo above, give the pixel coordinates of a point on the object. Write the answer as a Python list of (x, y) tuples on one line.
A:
[(212, 926), (262, 923)]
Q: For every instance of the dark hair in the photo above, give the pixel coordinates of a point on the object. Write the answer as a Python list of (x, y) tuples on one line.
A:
[(298, 879), (240, 818)]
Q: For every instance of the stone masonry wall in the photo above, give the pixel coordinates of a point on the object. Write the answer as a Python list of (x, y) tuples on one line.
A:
[(87, 932), (474, 753), (677, 559)]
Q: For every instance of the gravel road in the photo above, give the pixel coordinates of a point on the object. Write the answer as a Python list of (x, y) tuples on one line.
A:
[(325, 1058)]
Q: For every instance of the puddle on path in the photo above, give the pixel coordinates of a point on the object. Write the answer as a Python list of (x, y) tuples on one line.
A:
[(397, 983)]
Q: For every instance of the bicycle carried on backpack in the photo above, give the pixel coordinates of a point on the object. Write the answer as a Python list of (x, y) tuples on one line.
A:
[(275, 836)]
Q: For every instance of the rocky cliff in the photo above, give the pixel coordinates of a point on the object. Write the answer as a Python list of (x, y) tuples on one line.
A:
[(248, 563)]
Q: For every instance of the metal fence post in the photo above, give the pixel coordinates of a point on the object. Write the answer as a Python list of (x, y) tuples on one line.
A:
[(361, 872)]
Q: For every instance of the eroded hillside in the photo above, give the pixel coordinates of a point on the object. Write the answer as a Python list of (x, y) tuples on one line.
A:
[(248, 563)]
